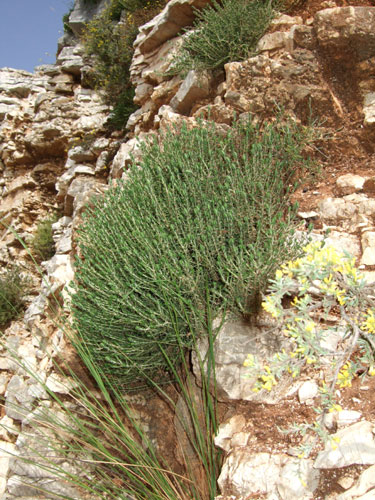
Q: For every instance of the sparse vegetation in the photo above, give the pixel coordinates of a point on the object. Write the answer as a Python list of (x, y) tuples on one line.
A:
[(13, 287), (109, 39), (42, 244), (324, 283)]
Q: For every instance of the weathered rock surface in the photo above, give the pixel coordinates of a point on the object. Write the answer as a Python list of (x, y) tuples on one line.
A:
[(234, 340), (277, 476), (346, 33), (356, 445), (56, 154)]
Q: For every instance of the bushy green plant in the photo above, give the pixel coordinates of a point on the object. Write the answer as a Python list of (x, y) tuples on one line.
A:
[(13, 287), (324, 283), (223, 32), (111, 44), (206, 210), (65, 19), (42, 244)]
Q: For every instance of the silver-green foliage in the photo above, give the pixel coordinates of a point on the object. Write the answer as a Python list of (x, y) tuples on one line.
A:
[(223, 32), (204, 212)]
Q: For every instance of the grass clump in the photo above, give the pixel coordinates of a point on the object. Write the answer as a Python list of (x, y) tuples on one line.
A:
[(223, 32), (42, 244), (13, 287), (105, 450), (204, 211)]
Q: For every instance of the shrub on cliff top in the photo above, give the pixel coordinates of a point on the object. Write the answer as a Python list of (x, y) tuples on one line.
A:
[(204, 212), (223, 32)]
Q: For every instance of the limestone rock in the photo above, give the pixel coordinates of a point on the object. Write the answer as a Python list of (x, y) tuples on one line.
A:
[(365, 482), (129, 151), (18, 400), (369, 110), (344, 242), (285, 21), (333, 210), (82, 13), (273, 41), (368, 248), (30, 488), (195, 87), (298, 480), (245, 473), (349, 183), (166, 25), (347, 417), (356, 446), (228, 430), (304, 37), (292, 79), (234, 340), (70, 60), (80, 191), (60, 272), (59, 384), (6, 452), (278, 476), (308, 391), (346, 32), (7, 429)]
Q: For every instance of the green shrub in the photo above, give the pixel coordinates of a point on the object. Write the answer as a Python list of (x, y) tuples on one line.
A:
[(12, 289), (42, 244), (207, 211), (223, 32), (111, 44), (65, 19)]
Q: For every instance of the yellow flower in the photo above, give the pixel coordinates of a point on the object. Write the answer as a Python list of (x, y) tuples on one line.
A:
[(344, 378), (369, 323), (335, 407), (279, 274), (310, 327), (249, 361)]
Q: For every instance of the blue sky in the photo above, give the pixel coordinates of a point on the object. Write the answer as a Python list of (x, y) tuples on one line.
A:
[(29, 30)]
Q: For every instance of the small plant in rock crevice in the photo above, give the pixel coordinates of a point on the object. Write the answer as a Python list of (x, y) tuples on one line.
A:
[(323, 284), (42, 244), (207, 210), (13, 288)]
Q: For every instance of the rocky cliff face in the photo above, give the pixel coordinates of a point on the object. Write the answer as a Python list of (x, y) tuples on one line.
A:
[(55, 154)]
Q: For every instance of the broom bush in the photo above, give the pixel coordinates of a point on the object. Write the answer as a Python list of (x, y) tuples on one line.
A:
[(204, 211)]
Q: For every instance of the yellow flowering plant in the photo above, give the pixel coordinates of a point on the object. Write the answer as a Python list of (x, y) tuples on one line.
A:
[(324, 309)]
